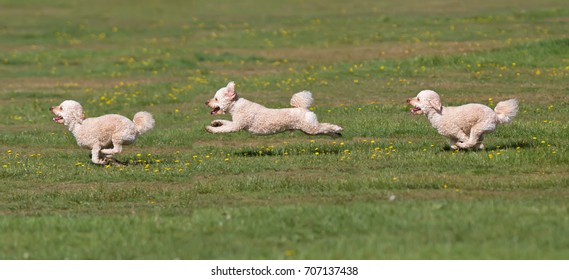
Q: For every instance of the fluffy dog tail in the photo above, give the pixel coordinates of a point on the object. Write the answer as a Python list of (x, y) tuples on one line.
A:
[(506, 110), (143, 122), (302, 99)]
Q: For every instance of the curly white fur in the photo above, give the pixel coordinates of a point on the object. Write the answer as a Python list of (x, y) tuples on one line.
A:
[(464, 125), (104, 135), (258, 119)]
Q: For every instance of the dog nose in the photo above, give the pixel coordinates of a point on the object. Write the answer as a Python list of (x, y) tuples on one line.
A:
[(51, 108), (206, 102), (408, 100)]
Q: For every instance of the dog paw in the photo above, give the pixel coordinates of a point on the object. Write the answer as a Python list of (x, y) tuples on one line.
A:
[(108, 160), (463, 145), (100, 161)]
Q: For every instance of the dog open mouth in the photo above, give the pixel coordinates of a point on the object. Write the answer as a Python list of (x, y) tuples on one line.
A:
[(58, 119), (215, 110), (415, 110)]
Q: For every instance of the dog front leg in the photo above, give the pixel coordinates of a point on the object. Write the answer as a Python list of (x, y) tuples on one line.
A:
[(459, 139), (218, 123), (222, 126), (453, 143), (95, 155)]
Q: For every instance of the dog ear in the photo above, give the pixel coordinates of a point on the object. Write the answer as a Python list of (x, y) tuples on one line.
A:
[(77, 114), (230, 90), (436, 104)]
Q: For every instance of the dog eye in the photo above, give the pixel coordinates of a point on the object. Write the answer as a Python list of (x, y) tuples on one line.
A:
[(215, 99), (418, 100)]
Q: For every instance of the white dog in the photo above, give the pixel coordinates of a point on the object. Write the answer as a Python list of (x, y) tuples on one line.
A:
[(258, 119), (465, 125), (104, 135)]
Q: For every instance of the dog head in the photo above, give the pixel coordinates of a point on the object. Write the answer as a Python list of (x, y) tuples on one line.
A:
[(223, 99), (67, 112), (426, 100)]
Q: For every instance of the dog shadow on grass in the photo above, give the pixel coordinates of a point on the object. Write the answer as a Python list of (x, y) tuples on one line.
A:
[(116, 162), (286, 152), (509, 145)]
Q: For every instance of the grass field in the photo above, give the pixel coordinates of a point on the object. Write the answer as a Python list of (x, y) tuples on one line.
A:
[(390, 188)]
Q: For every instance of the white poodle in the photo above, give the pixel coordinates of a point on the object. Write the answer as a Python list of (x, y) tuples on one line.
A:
[(104, 135), (258, 119), (465, 125)]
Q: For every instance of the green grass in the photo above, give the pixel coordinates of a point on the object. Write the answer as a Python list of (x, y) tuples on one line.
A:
[(390, 188)]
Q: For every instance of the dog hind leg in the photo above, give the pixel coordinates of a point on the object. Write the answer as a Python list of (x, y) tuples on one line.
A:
[(479, 144), (117, 148), (311, 126), (330, 129)]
